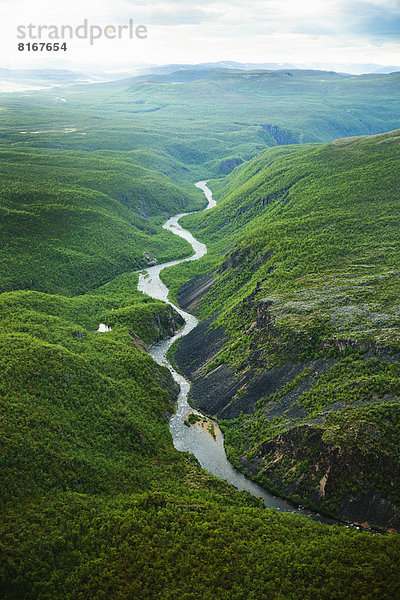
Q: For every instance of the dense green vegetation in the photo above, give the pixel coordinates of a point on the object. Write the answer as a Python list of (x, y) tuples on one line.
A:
[(73, 221), (311, 274), (199, 545), (76, 403), (95, 501), (316, 229), (194, 126), (104, 162)]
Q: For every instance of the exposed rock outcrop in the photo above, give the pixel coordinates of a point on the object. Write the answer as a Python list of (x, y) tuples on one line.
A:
[(227, 165), (300, 463), (165, 324), (221, 392), (281, 136), (190, 294), (149, 259), (345, 479)]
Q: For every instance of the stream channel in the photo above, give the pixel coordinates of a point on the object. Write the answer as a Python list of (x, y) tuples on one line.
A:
[(204, 438)]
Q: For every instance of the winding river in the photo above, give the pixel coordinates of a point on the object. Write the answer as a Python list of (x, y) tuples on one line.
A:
[(204, 439)]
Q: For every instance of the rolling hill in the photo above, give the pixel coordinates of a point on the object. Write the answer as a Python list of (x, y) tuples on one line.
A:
[(70, 222)]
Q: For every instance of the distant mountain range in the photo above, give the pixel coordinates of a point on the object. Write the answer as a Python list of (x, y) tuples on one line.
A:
[(16, 79)]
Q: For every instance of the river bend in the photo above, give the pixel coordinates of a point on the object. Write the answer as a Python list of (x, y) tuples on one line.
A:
[(204, 439)]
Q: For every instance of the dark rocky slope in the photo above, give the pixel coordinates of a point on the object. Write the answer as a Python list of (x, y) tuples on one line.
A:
[(299, 463)]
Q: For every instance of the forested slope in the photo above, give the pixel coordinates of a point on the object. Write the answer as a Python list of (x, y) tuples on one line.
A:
[(70, 222), (86, 178), (96, 502), (301, 354)]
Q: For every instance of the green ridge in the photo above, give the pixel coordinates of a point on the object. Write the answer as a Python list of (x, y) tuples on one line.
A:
[(311, 273)]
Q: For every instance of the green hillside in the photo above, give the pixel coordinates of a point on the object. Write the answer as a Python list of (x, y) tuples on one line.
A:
[(84, 182), (71, 222), (308, 323), (76, 403), (307, 105), (296, 352), (97, 503), (191, 126)]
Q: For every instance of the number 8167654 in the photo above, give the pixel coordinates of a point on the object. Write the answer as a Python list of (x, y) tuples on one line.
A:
[(42, 46)]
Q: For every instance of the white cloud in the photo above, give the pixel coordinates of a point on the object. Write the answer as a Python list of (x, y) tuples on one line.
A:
[(195, 31)]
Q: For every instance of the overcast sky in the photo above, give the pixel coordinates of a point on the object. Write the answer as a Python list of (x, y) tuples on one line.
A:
[(300, 32)]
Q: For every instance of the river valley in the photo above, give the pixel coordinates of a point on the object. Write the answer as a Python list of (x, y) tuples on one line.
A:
[(203, 438)]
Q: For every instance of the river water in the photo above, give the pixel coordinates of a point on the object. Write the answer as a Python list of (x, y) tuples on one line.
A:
[(198, 438)]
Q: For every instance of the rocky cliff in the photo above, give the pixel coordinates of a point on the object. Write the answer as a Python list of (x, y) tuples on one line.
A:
[(341, 479), (352, 477)]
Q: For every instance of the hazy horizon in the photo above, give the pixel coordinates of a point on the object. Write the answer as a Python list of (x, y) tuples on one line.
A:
[(139, 68), (330, 32)]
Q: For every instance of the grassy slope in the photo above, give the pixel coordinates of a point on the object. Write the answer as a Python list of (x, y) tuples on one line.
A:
[(316, 105), (312, 273), (198, 123)]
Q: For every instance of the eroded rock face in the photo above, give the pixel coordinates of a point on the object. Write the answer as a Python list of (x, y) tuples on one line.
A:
[(161, 325), (264, 318), (221, 392), (191, 293), (149, 259), (227, 165), (300, 463), (355, 482), (282, 136), (166, 324)]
